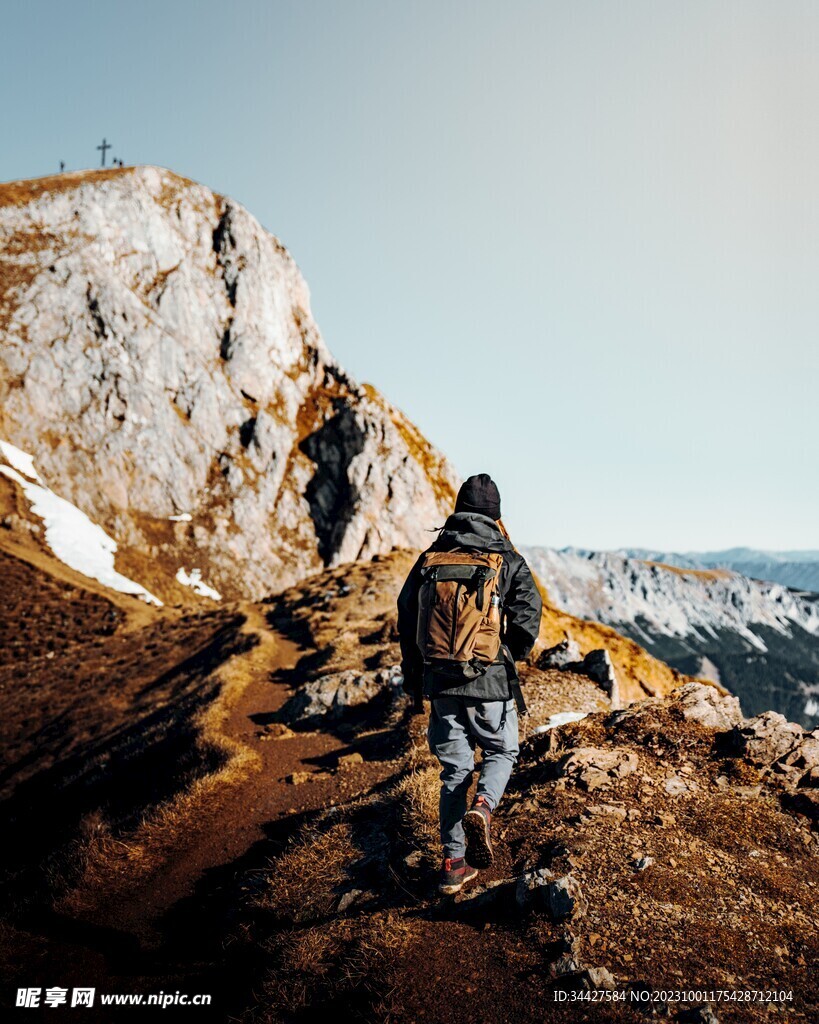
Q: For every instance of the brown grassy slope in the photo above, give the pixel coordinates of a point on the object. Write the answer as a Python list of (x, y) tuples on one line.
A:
[(735, 876), (104, 705)]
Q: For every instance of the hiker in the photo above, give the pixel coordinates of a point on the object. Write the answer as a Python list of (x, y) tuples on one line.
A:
[(469, 610)]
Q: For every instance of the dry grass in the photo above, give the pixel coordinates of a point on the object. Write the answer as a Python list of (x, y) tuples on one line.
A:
[(374, 957), (114, 863), (18, 193), (416, 797), (324, 964), (302, 886)]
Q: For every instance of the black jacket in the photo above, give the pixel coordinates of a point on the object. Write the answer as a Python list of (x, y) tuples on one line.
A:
[(520, 603)]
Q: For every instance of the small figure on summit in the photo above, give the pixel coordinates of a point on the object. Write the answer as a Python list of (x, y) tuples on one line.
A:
[(469, 610)]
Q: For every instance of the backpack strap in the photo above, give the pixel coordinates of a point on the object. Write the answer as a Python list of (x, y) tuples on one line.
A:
[(517, 693)]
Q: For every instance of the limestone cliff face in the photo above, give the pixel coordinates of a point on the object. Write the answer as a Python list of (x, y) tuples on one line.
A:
[(159, 359)]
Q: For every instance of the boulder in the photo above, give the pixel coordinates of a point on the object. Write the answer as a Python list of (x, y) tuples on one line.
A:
[(613, 812), (347, 900), (559, 898), (805, 756), (766, 739), (567, 964), (598, 666), (561, 655), (330, 695), (706, 705), (600, 978), (675, 786), (597, 767)]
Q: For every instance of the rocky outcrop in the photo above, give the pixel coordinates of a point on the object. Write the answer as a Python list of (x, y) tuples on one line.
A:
[(332, 694), (561, 655), (767, 738), (158, 358)]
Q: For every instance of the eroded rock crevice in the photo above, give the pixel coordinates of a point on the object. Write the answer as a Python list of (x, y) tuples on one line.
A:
[(331, 494)]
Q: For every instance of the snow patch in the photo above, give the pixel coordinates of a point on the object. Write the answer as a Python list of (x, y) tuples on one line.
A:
[(183, 517), (812, 707), (70, 534), (561, 718), (20, 461), (194, 580)]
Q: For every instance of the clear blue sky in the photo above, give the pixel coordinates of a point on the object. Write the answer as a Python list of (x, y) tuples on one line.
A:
[(578, 243)]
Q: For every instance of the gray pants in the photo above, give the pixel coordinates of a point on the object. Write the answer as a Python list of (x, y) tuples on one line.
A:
[(456, 725)]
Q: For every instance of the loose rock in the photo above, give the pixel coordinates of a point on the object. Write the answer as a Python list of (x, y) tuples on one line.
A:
[(564, 898), (596, 767), (347, 900)]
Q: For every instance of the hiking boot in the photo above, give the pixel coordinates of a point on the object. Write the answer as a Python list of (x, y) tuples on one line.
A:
[(476, 825), (454, 875)]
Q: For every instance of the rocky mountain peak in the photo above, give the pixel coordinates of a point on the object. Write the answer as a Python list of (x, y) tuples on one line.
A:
[(160, 362)]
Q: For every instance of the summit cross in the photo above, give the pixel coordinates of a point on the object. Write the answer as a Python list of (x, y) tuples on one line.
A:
[(105, 145)]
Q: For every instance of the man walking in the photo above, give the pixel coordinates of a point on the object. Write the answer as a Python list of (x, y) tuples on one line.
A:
[(468, 610)]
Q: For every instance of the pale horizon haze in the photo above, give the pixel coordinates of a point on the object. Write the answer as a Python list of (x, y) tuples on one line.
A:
[(577, 242)]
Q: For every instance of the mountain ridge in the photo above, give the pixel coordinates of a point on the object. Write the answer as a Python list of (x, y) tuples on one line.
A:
[(796, 569), (760, 639), (199, 415)]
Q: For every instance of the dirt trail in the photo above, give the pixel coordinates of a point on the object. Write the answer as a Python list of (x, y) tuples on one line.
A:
[(260, 806)]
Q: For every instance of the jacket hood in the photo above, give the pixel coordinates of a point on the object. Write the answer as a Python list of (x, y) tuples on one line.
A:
[(471, 530)]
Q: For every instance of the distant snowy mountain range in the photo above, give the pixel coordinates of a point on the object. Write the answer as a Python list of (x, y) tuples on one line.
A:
[(798, 569), (758, 638)]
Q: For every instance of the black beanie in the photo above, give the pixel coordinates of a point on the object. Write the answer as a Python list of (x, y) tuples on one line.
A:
[(479, 494)]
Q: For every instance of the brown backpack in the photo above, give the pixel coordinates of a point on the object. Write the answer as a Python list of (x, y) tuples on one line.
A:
[(459, 616)]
